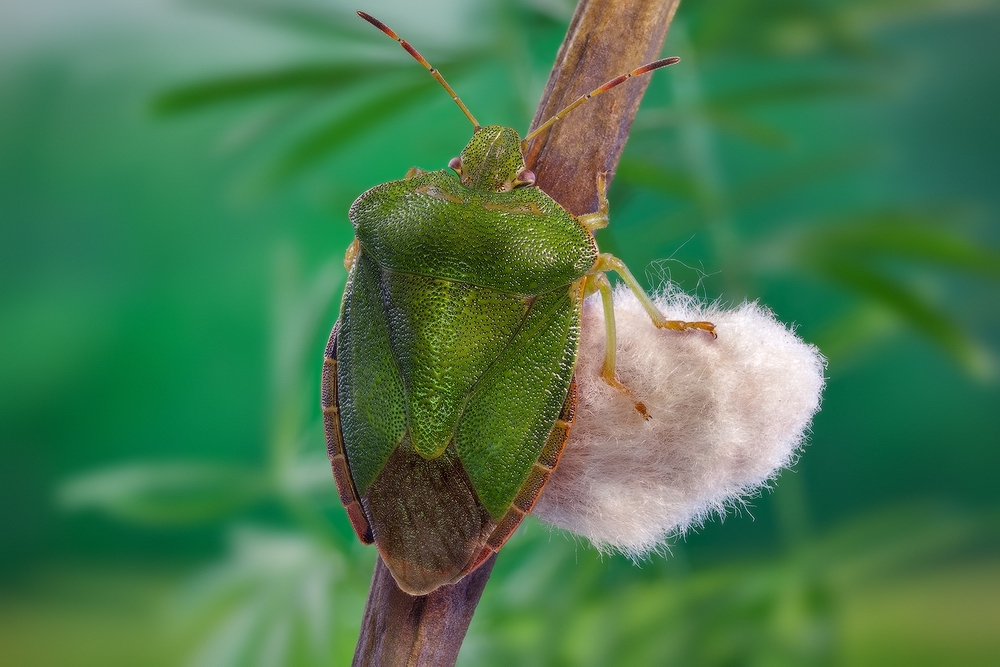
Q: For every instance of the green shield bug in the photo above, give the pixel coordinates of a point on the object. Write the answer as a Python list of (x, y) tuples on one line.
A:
[(448, 390)]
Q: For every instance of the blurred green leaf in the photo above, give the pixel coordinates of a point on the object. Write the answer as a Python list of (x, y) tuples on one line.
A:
[(885, 543), (647, 174), (914, 309), (277, 599), (165, 493), (907, 236), (783, 28), (784, 610), (786, 92), (300, 307), (729, 120), (770, 186), (332, 77), (847, 336), (869, 256), (747, 128), (322, 20), (873, 15), (338, 131)]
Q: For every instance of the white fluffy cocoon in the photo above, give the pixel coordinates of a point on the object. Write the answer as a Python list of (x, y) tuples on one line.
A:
[(727, 415)]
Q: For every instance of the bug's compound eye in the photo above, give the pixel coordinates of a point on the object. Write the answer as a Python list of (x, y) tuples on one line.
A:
[(526, 177), (455, 164)]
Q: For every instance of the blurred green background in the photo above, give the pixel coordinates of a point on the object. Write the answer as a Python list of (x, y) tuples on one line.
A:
[(174, 182)]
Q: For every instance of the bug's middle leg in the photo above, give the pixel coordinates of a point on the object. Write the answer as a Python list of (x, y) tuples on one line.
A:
[(598, 282)]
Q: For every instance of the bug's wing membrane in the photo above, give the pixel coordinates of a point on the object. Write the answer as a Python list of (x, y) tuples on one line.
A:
[(531, 377), (428, 521), (370, 390)]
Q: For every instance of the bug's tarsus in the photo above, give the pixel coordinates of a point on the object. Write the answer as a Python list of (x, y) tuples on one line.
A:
[(423, 61), (648, 67)]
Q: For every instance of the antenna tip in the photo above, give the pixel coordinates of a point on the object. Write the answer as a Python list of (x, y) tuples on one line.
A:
[(657, 64), (378, 24), (374, 21)]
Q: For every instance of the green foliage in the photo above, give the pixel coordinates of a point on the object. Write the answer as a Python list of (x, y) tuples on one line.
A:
[(280, 599), (165, 493)]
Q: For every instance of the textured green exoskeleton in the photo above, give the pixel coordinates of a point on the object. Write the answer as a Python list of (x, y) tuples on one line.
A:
[(448, 388)]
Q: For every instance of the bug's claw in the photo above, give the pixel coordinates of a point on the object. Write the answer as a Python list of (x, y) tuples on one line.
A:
[(677, 325), (640, 407)]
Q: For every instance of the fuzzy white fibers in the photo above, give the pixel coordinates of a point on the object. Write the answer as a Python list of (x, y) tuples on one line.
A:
[(727, 415)]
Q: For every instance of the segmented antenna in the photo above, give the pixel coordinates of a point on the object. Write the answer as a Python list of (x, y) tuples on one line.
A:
[(649, 67), (413, 52)]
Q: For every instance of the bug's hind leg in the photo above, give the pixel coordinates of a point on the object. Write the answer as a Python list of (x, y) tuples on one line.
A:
[(599, 282)]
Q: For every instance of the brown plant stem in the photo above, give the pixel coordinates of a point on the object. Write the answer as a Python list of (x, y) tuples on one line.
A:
[(605, 38), (417, 631)]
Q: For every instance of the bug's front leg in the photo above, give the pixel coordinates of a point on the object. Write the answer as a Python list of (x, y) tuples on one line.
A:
[(598, 219), (608, 262), (414, 171), (352, 253)]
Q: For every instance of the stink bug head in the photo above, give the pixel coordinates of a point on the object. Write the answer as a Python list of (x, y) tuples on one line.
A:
[(492, 161)]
